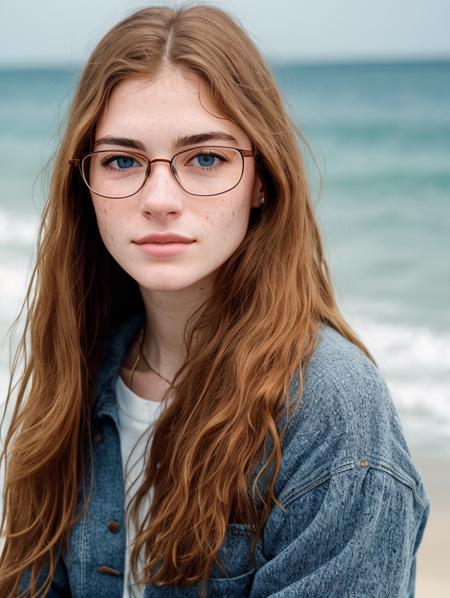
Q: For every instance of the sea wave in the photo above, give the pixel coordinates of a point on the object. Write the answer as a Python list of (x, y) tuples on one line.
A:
[(415, 362), (17, 229)]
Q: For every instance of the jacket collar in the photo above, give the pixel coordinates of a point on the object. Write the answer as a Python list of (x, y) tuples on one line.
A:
[(116, 347)]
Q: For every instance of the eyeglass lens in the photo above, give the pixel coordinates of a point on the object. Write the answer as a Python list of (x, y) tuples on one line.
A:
[(200, 171)]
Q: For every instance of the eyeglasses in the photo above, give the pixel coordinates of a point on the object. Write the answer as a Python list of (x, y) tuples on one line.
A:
[(206, 170)]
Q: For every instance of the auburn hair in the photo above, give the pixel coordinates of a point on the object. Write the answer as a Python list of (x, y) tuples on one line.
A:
[(256, 330)]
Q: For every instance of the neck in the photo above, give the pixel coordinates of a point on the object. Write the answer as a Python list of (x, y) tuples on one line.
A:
[(167, 313)]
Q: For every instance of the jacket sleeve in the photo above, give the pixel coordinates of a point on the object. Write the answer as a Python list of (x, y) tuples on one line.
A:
[(350, 534)]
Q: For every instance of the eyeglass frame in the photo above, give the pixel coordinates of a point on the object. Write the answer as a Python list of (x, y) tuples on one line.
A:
[(78, 163)]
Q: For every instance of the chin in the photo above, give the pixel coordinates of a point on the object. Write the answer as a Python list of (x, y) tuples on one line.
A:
[(167, 284), (164, 281)]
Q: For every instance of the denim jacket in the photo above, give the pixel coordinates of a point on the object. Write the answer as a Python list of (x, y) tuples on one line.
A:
[(355, 504)]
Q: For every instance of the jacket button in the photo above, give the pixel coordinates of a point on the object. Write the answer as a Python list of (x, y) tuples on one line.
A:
[(364, 463), (113, 526), (98, 438), (108, 570)]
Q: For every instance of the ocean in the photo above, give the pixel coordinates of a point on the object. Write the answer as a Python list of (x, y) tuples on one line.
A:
[(380, 134)]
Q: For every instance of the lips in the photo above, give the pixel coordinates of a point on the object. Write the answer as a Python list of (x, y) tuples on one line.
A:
[(163, 238), (167, 246)]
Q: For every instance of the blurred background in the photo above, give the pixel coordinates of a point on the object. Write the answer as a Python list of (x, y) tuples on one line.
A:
[(369, 85)]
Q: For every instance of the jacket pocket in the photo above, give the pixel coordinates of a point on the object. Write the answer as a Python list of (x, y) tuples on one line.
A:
[(234, 556)]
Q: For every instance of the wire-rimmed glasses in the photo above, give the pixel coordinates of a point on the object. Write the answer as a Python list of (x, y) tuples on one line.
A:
[(207, 170)]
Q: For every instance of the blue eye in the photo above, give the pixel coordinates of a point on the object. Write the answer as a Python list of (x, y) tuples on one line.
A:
[(119, 162), (206, 160), (124, 162)]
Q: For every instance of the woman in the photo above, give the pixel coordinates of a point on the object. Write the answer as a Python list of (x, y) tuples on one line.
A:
[(195, 416)]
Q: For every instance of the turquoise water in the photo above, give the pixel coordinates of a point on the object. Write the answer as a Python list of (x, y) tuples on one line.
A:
[(381, 135)]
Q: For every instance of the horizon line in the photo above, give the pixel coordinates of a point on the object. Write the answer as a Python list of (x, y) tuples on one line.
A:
[(274, 61)]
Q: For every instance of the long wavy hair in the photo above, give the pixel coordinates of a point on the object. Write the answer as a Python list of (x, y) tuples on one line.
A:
[(257, 329)]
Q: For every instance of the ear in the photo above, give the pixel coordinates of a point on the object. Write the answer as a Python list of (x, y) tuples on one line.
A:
[(258, 192)]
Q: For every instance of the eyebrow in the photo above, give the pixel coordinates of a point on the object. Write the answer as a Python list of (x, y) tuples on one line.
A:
[(179, 142)]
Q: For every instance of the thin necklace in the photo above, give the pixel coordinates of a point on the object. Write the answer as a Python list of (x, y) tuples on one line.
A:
[(140, 355)]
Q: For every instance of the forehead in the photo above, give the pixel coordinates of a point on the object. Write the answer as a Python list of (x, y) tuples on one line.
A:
[(172, 104)]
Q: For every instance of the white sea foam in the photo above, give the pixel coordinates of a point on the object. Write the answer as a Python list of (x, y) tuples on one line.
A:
[(17, 230), (409, 346), (408, 354), (415, 362), (13, 280)]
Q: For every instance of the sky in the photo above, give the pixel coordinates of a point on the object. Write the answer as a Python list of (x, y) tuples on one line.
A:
[(60, 32)]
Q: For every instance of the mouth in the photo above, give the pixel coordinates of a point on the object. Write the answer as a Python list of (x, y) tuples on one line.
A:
[(166, 242), (163, 239), (165, 248)]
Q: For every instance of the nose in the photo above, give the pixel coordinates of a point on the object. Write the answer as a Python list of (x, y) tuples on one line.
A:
[(161, 194)]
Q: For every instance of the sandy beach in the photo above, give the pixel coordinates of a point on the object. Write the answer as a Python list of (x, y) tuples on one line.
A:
[(433, 564)]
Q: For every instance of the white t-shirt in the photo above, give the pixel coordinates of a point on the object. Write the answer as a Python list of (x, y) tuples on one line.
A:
[(136, 415)]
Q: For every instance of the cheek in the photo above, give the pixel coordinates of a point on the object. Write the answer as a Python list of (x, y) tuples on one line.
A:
[(107, 221), (226, 220)]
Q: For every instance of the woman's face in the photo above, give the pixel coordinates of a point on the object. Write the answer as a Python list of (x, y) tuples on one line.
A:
[(155, 115)]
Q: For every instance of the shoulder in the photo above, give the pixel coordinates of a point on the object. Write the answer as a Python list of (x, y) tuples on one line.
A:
[(351, 504), (342, 385), (346, 418), (346, 395), (338, 364)]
